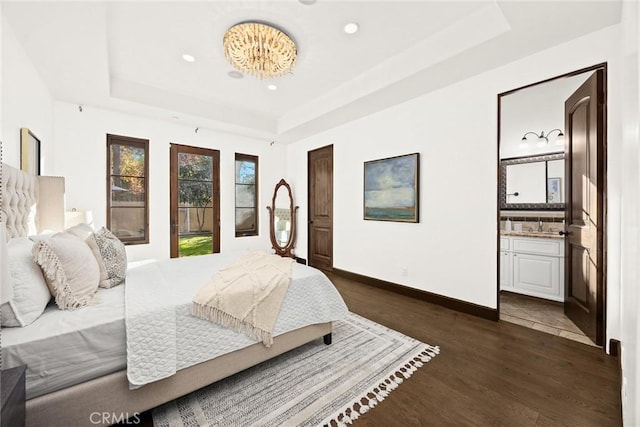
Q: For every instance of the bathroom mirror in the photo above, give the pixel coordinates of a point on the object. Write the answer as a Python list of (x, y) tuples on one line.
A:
[(282, 220), (532, 183)]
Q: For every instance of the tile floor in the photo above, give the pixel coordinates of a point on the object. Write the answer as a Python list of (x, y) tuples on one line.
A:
[(545, 316)]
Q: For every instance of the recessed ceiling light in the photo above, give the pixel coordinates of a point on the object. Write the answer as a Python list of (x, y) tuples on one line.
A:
[(272, 87), (235, 74), (189, 58), (351, 28), (307, 2)]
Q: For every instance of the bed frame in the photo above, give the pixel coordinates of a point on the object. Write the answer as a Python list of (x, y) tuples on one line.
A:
[(35, 203)]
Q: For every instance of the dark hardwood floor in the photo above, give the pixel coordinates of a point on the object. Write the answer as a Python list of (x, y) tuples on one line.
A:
[(488, 373)]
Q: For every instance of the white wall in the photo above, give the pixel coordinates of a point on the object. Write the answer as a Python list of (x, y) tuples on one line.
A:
[(2, 148), (453, 250), (535, 109), (629, 217), (26, 102), (80, 156)]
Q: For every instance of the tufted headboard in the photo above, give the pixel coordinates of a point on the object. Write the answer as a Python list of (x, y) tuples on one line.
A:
[(31, 204)]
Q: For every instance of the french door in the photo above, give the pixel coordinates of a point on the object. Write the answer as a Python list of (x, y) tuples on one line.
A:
[(195, 200)]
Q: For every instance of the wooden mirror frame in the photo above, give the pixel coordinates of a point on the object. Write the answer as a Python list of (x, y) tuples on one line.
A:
[(286, 251)]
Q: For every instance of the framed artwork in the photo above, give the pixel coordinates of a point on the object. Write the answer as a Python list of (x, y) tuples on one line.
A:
[(553, 190), (29, 152), (391, 188)]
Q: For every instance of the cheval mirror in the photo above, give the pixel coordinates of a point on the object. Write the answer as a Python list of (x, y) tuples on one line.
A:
[(282, 220)]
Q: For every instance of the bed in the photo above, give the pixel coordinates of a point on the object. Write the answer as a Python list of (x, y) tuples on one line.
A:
[(77, 360)]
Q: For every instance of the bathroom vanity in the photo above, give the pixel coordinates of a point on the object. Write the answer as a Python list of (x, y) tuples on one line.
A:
[(532, 263)]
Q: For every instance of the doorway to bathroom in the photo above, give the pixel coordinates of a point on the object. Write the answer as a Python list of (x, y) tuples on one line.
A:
[(552, 183)]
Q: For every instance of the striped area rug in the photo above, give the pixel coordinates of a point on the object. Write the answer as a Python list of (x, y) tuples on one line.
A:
[(313, 385)]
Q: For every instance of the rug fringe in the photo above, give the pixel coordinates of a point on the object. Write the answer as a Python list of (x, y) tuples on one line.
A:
[(352, 411)]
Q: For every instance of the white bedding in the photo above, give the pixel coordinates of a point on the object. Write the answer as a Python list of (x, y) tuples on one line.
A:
[(162, 335), (62, 348)]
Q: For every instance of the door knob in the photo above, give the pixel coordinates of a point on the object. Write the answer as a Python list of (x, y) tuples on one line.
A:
[(563, 233)]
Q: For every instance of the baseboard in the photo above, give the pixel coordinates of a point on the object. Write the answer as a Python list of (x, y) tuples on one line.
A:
[(452, 303), (614, 348)]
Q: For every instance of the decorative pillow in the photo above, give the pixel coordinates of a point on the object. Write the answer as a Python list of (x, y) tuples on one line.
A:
[(30, 292), (82, 231), (70, 269), (114, 257), (85, 232)]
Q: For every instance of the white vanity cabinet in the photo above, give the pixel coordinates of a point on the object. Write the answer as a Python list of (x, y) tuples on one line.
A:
[(532, 266), (506, 258)]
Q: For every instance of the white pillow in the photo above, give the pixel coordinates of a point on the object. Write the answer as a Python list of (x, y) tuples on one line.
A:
[(30, 292), (6, 284), (70, 269)]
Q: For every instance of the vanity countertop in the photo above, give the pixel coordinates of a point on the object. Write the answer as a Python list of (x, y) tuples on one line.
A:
[(523, 233)]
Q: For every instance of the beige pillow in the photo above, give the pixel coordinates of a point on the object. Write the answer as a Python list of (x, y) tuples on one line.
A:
[(70, 269), (85, 232)]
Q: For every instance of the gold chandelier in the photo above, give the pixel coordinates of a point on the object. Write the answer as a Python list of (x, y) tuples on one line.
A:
[(260, 50)]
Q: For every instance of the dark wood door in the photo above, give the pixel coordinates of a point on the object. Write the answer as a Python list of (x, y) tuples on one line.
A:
[(584, 216), (195, 200), (320, 234)]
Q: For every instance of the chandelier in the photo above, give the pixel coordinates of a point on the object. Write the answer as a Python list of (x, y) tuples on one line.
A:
[(259, 49)]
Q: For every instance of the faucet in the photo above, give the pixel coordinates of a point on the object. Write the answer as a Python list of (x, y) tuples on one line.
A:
[(539, 225)]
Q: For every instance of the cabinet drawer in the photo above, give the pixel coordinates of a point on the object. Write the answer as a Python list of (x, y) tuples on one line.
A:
[(539, 246), (504, 244)]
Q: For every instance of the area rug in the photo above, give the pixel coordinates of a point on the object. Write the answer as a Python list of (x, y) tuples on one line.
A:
[(313, 385)]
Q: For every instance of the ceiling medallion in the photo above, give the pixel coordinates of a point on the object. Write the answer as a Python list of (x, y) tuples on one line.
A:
[(260, 50)]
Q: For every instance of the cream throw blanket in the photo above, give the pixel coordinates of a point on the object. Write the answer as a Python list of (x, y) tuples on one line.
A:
[(246, 296)]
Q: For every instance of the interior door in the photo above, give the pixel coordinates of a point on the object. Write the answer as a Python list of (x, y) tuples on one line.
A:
[(584, 215), (195, 200), (320, 179)]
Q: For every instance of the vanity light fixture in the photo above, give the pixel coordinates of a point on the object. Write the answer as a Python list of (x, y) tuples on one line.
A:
[(544, 139)]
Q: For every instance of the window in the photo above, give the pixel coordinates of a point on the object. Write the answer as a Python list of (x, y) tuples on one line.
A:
[(128, 188), (246, 195)]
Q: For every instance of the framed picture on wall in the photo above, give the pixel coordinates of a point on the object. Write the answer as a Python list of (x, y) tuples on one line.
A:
[(391, 188), (29, 152), (553, 190)]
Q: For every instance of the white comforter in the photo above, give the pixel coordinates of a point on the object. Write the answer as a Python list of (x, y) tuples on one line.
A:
[(163, 337)]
